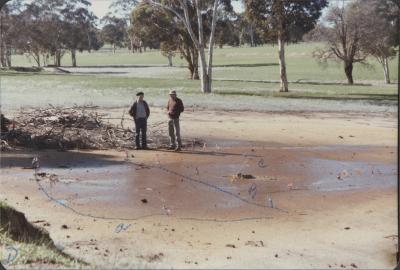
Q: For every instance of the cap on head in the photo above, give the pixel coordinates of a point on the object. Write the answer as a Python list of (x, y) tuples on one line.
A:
[(172, 92), (139, 94)]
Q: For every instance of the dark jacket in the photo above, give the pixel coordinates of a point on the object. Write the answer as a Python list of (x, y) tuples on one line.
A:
[(132, 110), (175, 108)]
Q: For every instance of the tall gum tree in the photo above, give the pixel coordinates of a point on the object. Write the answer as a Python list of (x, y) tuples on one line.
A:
[(180, 9), (284, 21), (153, 25)]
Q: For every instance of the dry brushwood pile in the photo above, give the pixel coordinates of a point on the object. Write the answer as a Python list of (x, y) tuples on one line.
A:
[(75, 128)]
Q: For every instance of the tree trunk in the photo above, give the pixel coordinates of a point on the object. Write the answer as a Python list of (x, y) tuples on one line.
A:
[(241, 38), (89, 41), (169, 60), (131, 42), (251, 36), (195, 75), (385, 65), (195, 61), (348, 69), (187, 54), (44, 60), (205, 80), (73, 56), (205, 86), (211, 45), (3, 62), (191, 70), (8, 56), (58, 58), (114, 48), (2, 47), (282, 64), (36, 57)]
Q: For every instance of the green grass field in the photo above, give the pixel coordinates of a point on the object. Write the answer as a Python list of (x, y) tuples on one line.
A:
[(317, 89), (257, 63), (110, 91)]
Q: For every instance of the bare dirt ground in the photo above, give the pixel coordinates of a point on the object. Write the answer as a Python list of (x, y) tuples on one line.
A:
[(316, 190)]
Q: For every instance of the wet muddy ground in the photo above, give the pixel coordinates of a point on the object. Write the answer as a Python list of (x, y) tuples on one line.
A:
[(205, 183)]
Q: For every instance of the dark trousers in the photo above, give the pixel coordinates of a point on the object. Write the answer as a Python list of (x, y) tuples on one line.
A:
[(141, 127)]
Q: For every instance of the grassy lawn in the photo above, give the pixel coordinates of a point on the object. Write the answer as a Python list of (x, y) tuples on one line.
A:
[(238, 76), (258, 63), (111, 91)]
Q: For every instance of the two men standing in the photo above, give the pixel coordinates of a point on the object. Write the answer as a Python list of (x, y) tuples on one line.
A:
[(140, 112)]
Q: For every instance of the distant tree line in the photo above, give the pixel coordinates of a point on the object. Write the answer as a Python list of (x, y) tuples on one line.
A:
[(47, 29)]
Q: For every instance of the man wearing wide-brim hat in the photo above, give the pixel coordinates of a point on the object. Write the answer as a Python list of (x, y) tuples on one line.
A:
[(140, 111), (174, 110)]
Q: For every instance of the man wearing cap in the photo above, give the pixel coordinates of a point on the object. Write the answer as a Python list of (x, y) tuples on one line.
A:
[(174, 109), (140, 112)]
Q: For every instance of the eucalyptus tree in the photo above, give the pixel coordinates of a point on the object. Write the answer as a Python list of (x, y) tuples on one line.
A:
[(114, 32), (152, 25), (9, 27), (123, 9), (80, 29), (284, 21), (180, 10)]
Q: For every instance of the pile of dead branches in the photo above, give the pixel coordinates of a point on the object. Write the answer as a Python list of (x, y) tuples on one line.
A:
[(75, 128)]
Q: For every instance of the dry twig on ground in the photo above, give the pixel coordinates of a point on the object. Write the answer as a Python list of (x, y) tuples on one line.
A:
[(78, 127), (74, 127)]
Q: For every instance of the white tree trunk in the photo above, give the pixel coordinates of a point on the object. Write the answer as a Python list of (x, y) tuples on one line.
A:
[(205, 69), (204, 78), (386, 70), (282, 64), (211, 45)]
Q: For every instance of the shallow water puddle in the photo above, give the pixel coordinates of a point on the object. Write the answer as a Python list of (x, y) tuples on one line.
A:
[(232, 182), (349, 175)]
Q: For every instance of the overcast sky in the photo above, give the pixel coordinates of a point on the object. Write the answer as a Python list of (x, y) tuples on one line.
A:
[(100, 7)]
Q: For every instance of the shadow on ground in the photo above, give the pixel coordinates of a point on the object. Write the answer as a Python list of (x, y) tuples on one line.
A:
[(58, 159)]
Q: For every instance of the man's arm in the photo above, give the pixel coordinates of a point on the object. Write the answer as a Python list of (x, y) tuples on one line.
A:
[(132, 110), (147, 109), (182, 107)]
